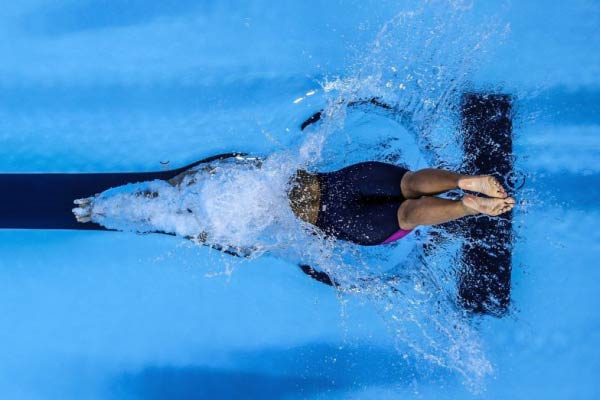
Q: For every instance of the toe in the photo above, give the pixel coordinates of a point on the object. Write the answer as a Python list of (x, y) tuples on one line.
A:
[(499, 189), (495, 189), (507, 207)]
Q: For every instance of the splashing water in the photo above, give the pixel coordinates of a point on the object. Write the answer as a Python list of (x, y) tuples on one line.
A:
[(418, 66)]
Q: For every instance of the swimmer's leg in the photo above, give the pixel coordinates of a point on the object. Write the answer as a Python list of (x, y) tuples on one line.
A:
[(434, 210), (430, 181)]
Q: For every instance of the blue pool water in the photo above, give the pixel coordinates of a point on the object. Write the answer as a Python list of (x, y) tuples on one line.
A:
[(125, 85)]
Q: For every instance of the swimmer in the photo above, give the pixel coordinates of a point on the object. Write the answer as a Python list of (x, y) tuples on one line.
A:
[(373, 203)]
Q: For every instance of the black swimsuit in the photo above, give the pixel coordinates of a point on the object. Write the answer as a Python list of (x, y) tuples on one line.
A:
[(360, 203)]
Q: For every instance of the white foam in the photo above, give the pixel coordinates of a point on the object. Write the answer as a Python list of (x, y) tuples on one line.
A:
[(236, 204)]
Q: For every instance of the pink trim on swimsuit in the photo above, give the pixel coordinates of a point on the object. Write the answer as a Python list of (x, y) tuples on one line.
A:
[(399, 234)]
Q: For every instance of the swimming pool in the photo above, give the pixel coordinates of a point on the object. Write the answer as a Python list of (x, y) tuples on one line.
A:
[(90, 87)]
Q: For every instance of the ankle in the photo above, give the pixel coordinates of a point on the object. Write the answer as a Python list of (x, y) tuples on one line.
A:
[(464, 182), (466, 208)]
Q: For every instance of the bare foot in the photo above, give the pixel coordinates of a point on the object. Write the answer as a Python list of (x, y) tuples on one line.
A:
[(485, 184), (489, 206)]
